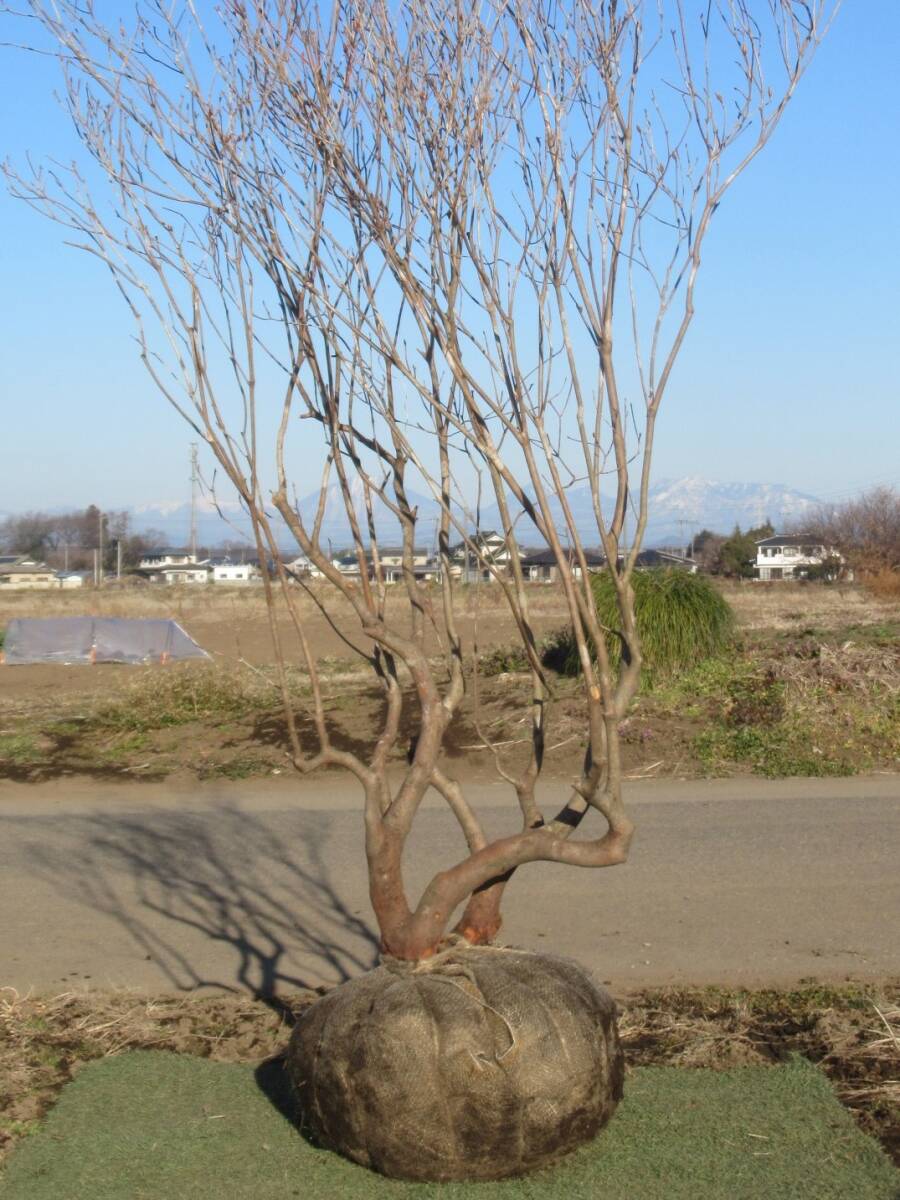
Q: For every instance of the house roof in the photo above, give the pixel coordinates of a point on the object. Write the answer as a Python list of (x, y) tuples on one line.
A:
[(479, 538), (546, 558), (791, 539), (658, 558), (26, 566)]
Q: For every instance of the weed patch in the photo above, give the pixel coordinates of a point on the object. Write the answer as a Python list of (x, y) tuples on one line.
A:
[(181, 696)]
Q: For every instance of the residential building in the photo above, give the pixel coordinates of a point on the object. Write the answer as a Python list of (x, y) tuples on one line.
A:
[(173, 565), (167, 556), (300, 566), (23, 571), (790, 556), (223, 570), (198, 572), (541, 566), (481, 557), (648, 559), (390, 561), (70, 579)]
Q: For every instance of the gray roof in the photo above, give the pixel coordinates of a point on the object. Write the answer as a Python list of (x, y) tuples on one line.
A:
[(546, 558), (791, 539), (26, 566), (659, 558)]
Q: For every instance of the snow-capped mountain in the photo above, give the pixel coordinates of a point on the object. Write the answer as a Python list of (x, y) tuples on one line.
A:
[(678, 508), (220, 522), (694, 503)]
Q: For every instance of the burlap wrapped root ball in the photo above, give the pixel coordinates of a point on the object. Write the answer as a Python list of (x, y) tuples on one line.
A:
[(481, 1065)]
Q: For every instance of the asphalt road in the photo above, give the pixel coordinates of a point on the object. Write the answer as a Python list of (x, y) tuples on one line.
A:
[(260, 885)]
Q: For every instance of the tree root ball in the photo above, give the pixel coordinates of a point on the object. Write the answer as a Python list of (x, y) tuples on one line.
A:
[(478, 1064)]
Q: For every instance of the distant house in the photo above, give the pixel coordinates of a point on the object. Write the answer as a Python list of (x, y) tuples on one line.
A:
[(647, 559), (392, 556), (173, 565), (167, 556), (390, 562), (223, 570), (70, 579), (22, 571), (481, 557), (198, 572), (301, 567), (541, 566), (790, 556)]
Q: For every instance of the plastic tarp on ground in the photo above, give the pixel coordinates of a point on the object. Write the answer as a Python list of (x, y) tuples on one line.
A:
[(96, 640)]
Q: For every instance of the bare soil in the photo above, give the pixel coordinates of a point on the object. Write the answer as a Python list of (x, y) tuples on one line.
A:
[(832, 651)]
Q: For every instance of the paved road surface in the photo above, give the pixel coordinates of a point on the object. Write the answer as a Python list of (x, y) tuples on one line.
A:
[(259, 885)]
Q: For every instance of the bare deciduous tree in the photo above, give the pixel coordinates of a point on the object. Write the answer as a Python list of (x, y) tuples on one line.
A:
[(865, 531), (458, 246)]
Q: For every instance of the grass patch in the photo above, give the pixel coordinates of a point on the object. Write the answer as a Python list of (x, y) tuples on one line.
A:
[(158, 1124), (240, 766), (773, 752), (20, 749)]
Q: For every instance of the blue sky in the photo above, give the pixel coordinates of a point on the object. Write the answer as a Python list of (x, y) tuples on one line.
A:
[(788, 374)]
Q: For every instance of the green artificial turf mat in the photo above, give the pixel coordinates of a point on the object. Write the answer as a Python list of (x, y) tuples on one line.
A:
[(152, 1125)]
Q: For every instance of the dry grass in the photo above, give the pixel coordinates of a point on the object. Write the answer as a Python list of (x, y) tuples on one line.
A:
[(758, 605), (780, 606), (884, 585), (852, 1031)]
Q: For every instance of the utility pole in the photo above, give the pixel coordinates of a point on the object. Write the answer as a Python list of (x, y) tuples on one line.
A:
[(119, 559), (195, 480), (683, 524), (96, 569), (100, 552)]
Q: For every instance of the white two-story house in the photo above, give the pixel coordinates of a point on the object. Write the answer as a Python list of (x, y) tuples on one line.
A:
[(790, 556), (171, 565)]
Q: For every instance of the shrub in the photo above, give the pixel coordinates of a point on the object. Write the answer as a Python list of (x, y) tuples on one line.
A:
[(884, 584), (681, 619)]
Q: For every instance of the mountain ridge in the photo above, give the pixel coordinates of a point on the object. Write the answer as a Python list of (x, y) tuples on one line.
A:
[(678, 506)]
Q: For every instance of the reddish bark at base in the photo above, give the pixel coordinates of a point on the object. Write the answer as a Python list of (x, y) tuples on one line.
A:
[(481, 921)]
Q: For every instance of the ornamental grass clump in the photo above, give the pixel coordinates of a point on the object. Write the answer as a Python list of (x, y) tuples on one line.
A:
[(681, 619), (430, 259)]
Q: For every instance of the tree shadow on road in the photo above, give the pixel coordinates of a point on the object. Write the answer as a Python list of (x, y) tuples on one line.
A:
[(177, 881)]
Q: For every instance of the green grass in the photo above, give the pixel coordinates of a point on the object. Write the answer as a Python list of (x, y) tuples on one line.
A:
[(681, 619), (152, 1125), (19, 749)]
